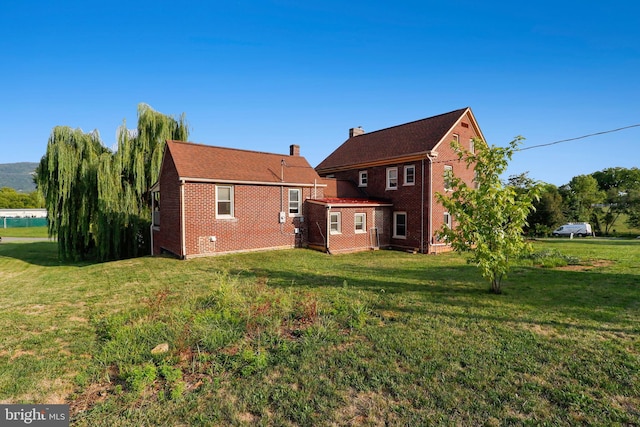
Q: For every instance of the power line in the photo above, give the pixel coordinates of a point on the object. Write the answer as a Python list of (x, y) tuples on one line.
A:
[(548, 143), (576, 138)]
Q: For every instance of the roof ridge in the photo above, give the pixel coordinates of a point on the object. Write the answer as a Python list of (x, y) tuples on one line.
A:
[(414, 121), (227, 148)]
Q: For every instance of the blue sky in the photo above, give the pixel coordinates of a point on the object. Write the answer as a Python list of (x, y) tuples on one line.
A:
[(262, 75)]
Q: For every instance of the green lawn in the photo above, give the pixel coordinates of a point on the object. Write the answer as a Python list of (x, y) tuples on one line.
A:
[(298, 337), (24, 232)]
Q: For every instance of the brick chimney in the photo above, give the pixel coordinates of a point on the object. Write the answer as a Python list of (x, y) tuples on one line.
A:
[(294, 150), (355, 131)]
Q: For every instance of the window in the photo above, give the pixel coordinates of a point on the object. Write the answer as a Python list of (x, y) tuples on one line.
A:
[(392, 178), (334, 220), (476, 183), (295, 206), (224, 199), (400, 225), (456, 137), (409, 175), (448, 178), (362, 182), (472, 146), (447, 219), (360, 221)]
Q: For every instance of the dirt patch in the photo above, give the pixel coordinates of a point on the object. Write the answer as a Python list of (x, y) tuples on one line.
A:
[(588, 266)]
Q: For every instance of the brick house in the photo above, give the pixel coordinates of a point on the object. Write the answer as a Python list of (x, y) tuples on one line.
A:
[(377, 190), (405, 166), (211, 200)]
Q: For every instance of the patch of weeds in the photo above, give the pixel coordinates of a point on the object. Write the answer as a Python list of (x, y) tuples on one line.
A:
[(551, 258), (138, 378)]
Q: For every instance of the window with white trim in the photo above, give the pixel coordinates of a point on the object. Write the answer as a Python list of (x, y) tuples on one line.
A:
[(410, 175), (472, 146), (456, 137), (224, 201), (399, 225), (363, 178), (360, 222), (448, 178), (392, 178), (295, 202), (335, 226), (447, 219)]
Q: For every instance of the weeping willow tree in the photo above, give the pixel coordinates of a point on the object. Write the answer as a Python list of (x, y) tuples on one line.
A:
[(98, 201)]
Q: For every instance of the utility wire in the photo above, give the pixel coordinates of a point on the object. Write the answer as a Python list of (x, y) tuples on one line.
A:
[(576, 138), (548, 143)]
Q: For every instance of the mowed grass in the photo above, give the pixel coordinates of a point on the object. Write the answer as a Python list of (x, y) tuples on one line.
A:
[(39, 232), (302, 338)]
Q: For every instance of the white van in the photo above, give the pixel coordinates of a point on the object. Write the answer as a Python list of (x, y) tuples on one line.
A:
[(579, 229)]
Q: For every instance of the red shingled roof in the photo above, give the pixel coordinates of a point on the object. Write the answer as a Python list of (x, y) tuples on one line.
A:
[(406, 139), (346, 201), (205, 162)]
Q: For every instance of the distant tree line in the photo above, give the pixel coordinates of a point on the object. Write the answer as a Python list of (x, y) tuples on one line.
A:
[(11, 199), (601, 198)]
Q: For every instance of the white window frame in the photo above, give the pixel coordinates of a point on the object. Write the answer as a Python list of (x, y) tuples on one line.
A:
[(447, 219), (472, 146), (295, 204), (363, 178), (446, 176), (338, 223), (395, 225), (360, 218), (406, 179), (392, 181), (456, 137), (230, 201)]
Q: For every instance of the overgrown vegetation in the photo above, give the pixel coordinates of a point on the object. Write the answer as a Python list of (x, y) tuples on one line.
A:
[(301, 338)]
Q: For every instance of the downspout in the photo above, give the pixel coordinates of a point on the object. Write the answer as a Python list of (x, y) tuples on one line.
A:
[(328, 226), (183, 242), (430, 218)]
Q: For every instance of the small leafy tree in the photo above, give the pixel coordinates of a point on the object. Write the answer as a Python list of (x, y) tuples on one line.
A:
[(489, 219)]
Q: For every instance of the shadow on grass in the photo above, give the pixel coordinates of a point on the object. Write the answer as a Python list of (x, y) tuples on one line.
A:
[(44, 254)]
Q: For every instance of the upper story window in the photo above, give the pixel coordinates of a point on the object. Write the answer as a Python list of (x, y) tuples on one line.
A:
[(472, 146), (295, 202), (360, 221), (392, 178), (448, 178), (363, 178), (224, 201), (335, 223), (409, 175), (456, 137)]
